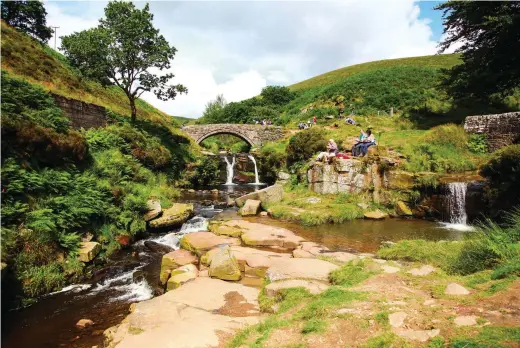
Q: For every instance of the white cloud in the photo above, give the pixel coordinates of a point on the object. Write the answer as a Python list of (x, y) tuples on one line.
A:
[(236, 48)]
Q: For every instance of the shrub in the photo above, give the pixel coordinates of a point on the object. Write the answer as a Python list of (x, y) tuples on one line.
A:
[(271, 159), (304, 145), (206, 171), (478, 143), (503, 175)]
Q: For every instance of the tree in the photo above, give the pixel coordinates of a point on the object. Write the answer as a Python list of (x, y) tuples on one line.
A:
[(490, 36), (29, 17), (213, 111), (123, 50), (277, 95)]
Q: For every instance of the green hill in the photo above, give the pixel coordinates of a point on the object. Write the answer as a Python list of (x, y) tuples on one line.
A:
[(434, 62)]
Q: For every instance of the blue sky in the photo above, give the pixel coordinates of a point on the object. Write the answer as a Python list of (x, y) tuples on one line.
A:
[(236, 48), (435, 16)]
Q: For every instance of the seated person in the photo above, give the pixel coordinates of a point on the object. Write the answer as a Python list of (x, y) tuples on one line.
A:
[(365, 141), (332, 150)]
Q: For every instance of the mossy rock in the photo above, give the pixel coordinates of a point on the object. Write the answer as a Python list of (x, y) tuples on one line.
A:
[(174, 216), (402, 209)]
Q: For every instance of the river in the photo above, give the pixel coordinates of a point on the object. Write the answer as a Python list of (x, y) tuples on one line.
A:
[(132, 274)]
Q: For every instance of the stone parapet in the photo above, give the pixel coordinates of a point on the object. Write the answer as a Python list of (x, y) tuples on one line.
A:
[(500, 129)]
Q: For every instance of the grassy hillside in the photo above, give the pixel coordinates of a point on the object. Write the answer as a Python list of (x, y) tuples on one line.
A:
[(25, 58), (60, 185), (434, 62)]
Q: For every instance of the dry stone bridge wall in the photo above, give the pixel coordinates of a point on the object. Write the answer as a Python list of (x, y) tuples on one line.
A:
[(500, 129), (254, 135)]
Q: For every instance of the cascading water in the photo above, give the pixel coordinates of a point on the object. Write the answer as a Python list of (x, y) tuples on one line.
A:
[(257, 181), (456, 204), (229, 168)]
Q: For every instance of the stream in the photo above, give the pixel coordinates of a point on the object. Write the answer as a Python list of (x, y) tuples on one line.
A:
[(132, 274)]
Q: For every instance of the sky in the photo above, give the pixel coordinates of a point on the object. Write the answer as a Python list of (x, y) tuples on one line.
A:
[(237, 48)]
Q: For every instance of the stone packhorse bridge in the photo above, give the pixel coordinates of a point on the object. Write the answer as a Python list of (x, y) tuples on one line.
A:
[(254, 135)]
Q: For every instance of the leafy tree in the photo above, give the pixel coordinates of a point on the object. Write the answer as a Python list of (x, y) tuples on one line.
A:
[(304, 145), (490, 34), (277, 95), (122, 50), (27, 16), (213, 111)]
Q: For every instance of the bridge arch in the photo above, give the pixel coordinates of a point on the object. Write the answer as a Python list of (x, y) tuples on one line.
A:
[(254, 135), (216, 132)]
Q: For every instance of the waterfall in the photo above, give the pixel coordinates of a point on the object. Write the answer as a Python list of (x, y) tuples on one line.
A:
[(456, 204), (229, 169), (257, 181)]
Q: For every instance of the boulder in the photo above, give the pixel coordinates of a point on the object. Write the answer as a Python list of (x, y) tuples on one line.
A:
[(422, 271), (154, 210), (88, 251), (375, 215), (283, 176), (193, 315), (174, 260), (314, 287), (271, 194), (201, 242), (174, 216), (224, 265), (83, 323), (290, 268), (181, 275), (251, 207), (456, 290), (402, 209), (263, 213), (158, 247)]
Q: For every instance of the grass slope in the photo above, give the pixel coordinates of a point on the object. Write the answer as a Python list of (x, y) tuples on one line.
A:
[(25, 58), (436, 62)]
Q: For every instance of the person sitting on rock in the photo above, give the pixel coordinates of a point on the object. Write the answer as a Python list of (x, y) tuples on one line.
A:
[(332, 150), (361, 148)]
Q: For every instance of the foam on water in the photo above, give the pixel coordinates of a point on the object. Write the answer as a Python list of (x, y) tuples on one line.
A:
[(139, 291), (169, 239), (196, 224), (457, 227), (75, 288)]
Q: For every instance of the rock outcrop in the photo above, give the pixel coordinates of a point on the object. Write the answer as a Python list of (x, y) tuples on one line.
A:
[(314, 269), (174, 216), (154, 210)]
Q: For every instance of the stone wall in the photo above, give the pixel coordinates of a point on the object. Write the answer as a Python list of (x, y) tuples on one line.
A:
[(500, 129), (82, 115), (255, 135)]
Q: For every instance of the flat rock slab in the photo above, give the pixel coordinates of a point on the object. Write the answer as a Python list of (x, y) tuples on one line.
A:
[(466, 320), (313, 250), (422, 271), (191, 316), (416, 335), (284, 268), (390, 269), (200, 242), (456, 290), (265, 235), (375, 215), (397, 319), (181, 276), (314, 287), (174, 260)]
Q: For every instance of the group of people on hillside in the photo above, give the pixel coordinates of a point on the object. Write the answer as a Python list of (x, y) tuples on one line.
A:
[(359, 149), (309, 124), (264, 122)]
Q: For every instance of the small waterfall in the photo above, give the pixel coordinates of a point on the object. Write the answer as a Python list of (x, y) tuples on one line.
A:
[(257, 181), (196, 224), (456, 204), (229, 169)]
